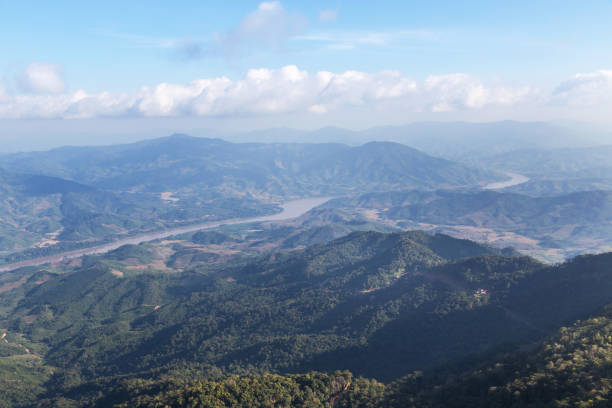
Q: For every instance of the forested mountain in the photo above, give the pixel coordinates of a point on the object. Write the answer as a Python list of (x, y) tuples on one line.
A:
[(42, 214), (324, 204), (379, 305), (77, 196), (293, 312), (563, 225), (570, 368), (182, 162)]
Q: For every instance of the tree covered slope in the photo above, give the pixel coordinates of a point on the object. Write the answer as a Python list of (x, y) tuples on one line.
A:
[(567, 224), (179, 162), (379, 305), (568, 369), (40, 215)]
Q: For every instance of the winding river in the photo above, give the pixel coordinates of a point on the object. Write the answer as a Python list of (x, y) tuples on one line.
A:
[(290, 209), (515, 179)]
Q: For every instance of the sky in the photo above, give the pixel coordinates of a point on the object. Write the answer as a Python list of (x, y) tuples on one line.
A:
[(94, 69)]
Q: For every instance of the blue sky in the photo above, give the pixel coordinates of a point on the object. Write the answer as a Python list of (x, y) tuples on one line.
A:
[(406, 61), (119, 45)]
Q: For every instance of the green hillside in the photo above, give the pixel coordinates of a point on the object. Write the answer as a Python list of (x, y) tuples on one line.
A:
[(379, 305), (179, 163), (563, 225), (73, 197), (568, 369), (41, 215)]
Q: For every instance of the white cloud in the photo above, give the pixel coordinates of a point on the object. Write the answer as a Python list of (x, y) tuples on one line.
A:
[(272, 91), (327, 16), (585, 90), (42, 78), (267, 27), (457, 91)]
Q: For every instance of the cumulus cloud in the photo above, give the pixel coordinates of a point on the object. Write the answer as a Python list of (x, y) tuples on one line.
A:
[(456, 91), (42, 78), (585, 89), (272, 91)]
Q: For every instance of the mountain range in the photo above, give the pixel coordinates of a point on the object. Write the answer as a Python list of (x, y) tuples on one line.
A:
[(379, 305), (183, 162), (74, 196), (451, 140)]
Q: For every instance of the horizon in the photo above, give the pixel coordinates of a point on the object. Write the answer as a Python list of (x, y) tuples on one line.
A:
[(95, 73), (602, 135)]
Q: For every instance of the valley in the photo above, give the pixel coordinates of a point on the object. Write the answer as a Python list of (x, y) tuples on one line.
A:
[(305, 204), (290, 209), (551, 228), (372, 275), (71, 198)]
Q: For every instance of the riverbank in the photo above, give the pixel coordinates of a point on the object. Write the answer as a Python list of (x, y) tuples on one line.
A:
[(290, 209)]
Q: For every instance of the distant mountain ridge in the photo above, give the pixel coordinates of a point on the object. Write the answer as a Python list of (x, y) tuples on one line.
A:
[(567, 163), (180, 161), (557, 171), (451, 140)]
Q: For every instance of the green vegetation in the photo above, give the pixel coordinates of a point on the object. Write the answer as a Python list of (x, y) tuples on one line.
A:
[(70, 198), (565, 225), (336, 308), (179, 163), (129, 327), (41, 216), (568, 369), (22, 371), (339, 389)]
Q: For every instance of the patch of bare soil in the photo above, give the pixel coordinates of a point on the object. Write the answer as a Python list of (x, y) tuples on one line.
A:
[(12, 285)]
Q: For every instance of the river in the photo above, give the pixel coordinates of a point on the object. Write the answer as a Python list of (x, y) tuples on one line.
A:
[(290, 209), (515, 179)]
